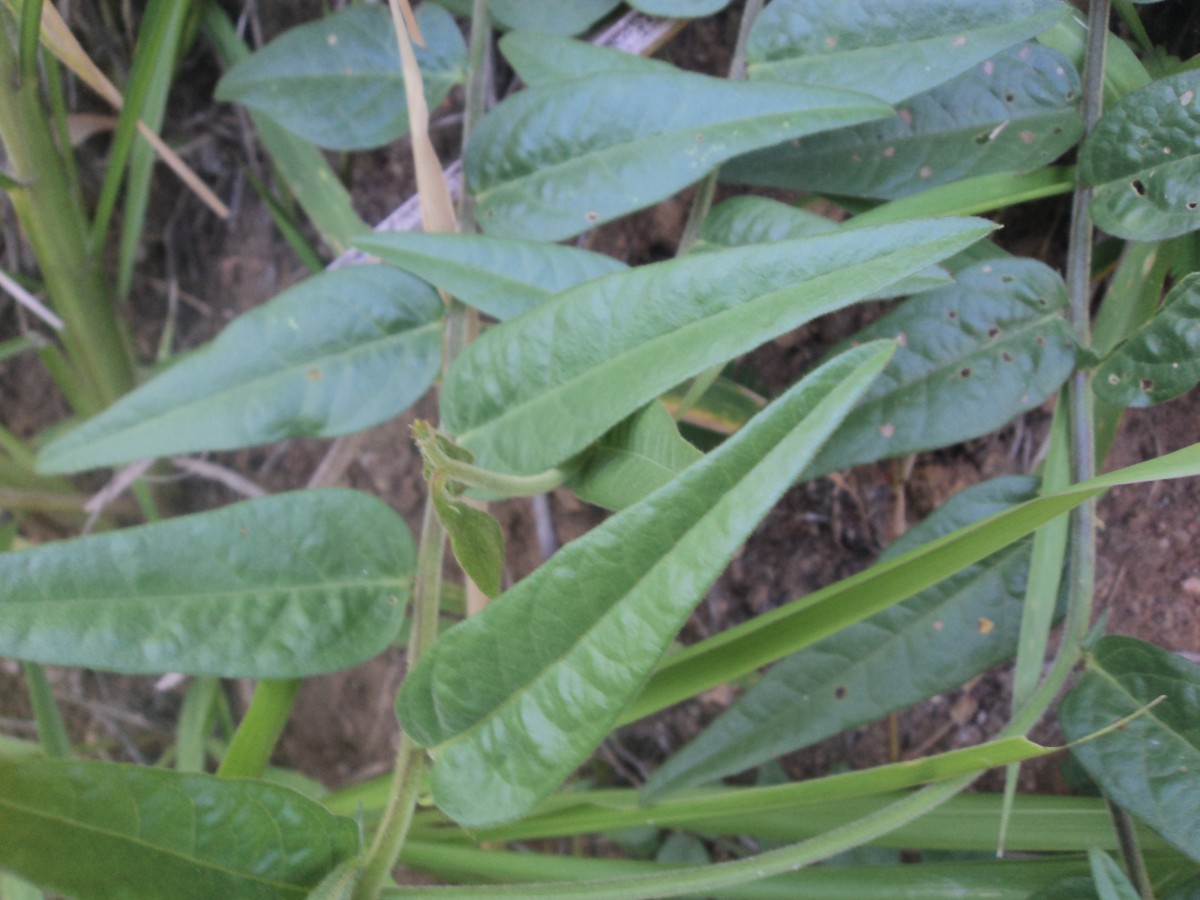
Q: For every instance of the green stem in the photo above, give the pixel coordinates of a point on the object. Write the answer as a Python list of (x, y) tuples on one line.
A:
[(484, 479), (1131, 851), (475, 98), (52, 733), (256, 736), (195, 723)]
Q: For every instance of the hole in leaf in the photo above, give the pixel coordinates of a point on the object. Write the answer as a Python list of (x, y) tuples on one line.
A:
[(591, 216), (1191, 204), (965, 371), (839, 691), (1146, 384), (1070, 95), (993, 332), (952, 315), (1009, 98), (1138, 186), (1006, 356), (1114, 378)]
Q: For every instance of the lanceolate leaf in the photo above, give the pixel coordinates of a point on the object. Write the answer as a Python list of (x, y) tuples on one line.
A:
[(1015, 111), (540, 58), (335, 82), (338, 353), (880, 47), (1160, 360), (475, 538), (634, 459), (280, 587), (928, 644), (689, 8), (1111, 883), (96, 831), (558, 159), (1151, 766), (1143, 161), (988, 348), (578, 364), (513, 699), (758, 220), (549, 17), (499, 276)]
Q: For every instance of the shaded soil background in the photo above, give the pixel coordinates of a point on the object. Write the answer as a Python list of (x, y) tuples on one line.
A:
[(343, 729)]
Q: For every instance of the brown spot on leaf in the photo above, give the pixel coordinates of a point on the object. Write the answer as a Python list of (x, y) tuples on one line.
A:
[(986, 625)]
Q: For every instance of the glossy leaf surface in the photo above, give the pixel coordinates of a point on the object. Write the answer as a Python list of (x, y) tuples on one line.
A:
[(1015, 111), (989, 347), (1151, 765), (1161, 360), (103, 831), (281, 587), (508, 719), (634, 459), (499, 276), (550, 373), (558, 159), (1143, 161), (337, 353), (540, 58), (879, 47), (926, 645), (334, 82)]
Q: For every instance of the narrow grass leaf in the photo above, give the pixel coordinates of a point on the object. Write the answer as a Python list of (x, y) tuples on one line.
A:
[(879, 47), (509, 719), (547, 373), (974, 196), (99, 830), (334, 82), (1161, 360), (926, 645), (279, 587), (335, 354), (502, 277), (558, 159), (1150, 766), (1142, 161), (1014, 112)]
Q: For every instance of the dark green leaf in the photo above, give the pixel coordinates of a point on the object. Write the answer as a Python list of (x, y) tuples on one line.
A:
[(280, 587), (337, 82), (1143, 161), (1111, 883), (513, 699), (1015, 111), (475, 538), (634, 459), (335, 354), (499, 276), (1151, 766), (973, 355), (880, 47), (103, 831), (550, 373), (1161, 360), (540, 58), (559, 159), (924, 646)]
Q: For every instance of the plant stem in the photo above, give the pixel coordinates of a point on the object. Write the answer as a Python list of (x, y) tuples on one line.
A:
[(256, 736), (52, 733), (1131, 851)]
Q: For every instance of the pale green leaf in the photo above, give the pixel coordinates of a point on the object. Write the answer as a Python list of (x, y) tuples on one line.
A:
[(1143, 161), (757, 220), (475, 538), (690, 9), (279, 587), (880, 47), (515, 698), (578, 364), (974, 196), (104, 831), (335, 82), (1111, 883), (926, 645), (548, 17), (1161, 360), (1015, 111), (1150, 766), (540, 58), (335, 354), (559, 159), (502, 277), (974, 355)]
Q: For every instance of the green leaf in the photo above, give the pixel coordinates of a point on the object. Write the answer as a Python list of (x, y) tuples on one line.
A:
[(547, 372), (549, 17), (540, 58), (1016, 111), (879, 47), (559, 159), (103, 830), (513, 699), (475, 538), (280, 587), (335, 354), (1143, 161), (634, 459), (1150, 765), (1111, 883), (989, 347), (335, 82), (690, 9), (502, 277), (1161, 360), (757, 220), (924, 646), (973, 196)]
